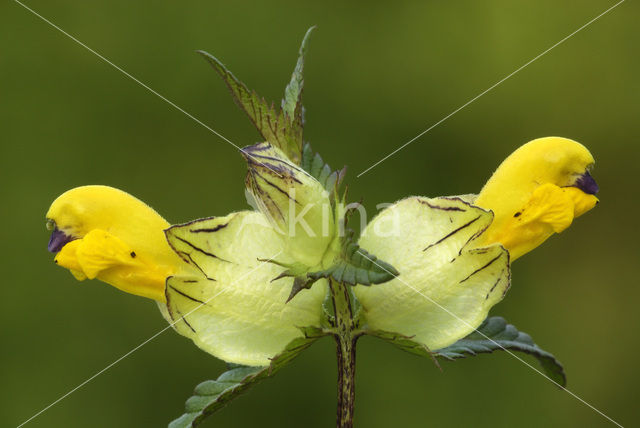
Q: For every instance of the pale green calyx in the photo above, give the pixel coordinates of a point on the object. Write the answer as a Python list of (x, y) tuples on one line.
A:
[(296, 204), (446, 284), (231, 308)]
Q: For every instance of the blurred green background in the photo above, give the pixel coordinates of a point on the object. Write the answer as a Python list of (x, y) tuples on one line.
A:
[(378, 73)]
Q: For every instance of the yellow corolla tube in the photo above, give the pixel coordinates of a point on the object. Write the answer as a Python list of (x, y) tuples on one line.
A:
[(536, 192), (105, 233)]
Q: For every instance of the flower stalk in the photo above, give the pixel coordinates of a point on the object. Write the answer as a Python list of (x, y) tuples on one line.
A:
[(346, 335)]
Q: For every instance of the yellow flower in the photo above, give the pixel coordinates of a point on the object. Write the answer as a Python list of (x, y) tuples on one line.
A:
[(536, 192), (208, 276), (451, 252), (105, 233)]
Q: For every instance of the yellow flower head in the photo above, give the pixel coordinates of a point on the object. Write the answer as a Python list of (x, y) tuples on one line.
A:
[(208, 276), (536, 192), (452, 251), (105, 233)]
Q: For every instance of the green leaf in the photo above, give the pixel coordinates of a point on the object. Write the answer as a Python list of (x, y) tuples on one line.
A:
[(357, 266), (212, 395), (269, 120), (298, 272), (292, 102), (353, 266), (494, 334), (318, 169), (405, 343)]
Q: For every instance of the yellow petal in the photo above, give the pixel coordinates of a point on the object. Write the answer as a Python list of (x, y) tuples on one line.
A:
[(106, 257), (80, 276), (535, 193), (99, 251), (67, 258), (118, 239), (582, 202), (549, 210)]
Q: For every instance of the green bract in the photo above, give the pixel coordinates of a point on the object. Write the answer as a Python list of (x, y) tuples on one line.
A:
[(233, 309), (295, 203), (446, 285)]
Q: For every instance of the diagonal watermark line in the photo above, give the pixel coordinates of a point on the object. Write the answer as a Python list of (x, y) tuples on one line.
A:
[(491, 87), (145, 342), (171, 103), (493, 341)]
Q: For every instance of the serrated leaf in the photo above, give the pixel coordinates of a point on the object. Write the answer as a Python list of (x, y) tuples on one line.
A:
[(269, 120), (292, 102), (353, 266), (298, 272), (405, 343), (212, 395), (494, 334), (357, 266), (318, 169)]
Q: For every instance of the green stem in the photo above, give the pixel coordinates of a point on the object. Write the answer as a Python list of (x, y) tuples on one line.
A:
[(346, 338)]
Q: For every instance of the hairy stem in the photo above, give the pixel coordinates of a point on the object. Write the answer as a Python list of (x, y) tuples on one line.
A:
[(346, 351), (345, 339)]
